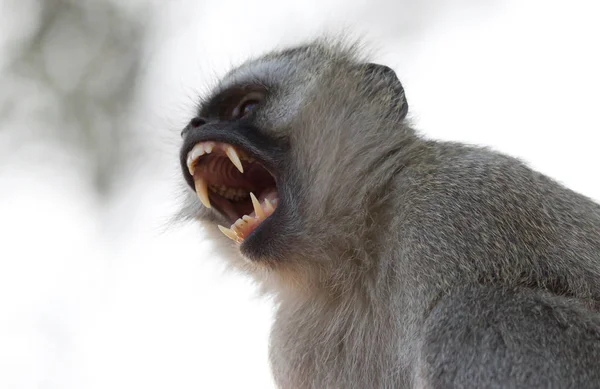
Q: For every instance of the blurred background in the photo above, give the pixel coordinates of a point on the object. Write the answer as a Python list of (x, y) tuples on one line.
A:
[(98, 289)]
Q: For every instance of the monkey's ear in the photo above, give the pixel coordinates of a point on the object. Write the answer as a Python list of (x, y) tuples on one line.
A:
[(388, 76)]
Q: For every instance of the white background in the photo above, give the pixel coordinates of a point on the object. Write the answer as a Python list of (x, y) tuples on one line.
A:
[(117, 298)]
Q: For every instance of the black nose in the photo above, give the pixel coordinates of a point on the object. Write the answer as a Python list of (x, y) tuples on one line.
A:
[(194, 123)]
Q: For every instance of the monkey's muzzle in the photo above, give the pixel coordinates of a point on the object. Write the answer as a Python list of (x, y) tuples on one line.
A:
[(237, 184)]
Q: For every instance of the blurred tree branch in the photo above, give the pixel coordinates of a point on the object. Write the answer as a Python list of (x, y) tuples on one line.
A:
[(73, 81)]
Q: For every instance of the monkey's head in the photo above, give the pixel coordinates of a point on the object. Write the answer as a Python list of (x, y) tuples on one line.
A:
[(292, 154)]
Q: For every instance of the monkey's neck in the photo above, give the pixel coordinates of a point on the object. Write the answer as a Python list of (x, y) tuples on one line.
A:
[(318, 332)]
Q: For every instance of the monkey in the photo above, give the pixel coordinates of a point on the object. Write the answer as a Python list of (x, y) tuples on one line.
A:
[(394, 260)]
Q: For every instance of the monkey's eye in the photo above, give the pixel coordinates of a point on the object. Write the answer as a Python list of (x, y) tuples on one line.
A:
[(248, 104)]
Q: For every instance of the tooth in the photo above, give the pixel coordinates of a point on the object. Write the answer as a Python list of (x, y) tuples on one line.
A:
[(202, 191), (234, 158), (229, 233), (247, 218), (238, 224), (269, 206), (197, 151), (260, 213), (190, 164), (208, 147)]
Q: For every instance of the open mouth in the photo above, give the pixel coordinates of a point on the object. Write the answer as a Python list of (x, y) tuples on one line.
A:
[(238, 185)]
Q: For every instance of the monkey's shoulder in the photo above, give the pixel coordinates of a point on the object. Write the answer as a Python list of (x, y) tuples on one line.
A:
[(447, 169), (477, 191)]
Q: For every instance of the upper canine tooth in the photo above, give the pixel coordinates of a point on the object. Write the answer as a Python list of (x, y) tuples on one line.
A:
[(260, 213), (202, 191), (234, 158)]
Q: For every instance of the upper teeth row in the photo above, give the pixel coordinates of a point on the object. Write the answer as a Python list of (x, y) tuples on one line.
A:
[(199, 150), (207, 147)]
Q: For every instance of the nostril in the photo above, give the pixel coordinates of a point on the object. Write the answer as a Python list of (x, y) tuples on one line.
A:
[(194, 123), (197, 122)]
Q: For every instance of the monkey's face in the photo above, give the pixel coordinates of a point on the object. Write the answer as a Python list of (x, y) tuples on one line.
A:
[(281, 153)]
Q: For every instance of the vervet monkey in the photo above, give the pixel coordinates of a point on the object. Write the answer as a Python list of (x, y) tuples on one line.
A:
[(395, 261)]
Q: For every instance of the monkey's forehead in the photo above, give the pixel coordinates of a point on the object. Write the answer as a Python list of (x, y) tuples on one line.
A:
[(273, 69), (263, 71), (291, 65)]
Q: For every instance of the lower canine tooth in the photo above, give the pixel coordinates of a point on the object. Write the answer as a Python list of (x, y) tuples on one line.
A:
[(202, 191), (260, 213), (229, 233)]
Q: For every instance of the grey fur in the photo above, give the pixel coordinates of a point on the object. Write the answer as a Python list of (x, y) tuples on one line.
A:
[(404, 262)]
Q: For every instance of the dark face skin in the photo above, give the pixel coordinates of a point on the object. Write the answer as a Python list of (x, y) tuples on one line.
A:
[(230, 117)]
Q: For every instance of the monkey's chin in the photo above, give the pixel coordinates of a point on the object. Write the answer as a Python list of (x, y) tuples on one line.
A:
[(226, 179)]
